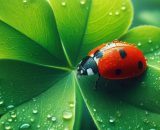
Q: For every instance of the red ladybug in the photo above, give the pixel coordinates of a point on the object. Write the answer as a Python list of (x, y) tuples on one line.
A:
[(114, 60)]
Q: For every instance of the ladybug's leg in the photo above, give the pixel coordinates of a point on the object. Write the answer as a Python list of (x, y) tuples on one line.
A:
[(96, 85)]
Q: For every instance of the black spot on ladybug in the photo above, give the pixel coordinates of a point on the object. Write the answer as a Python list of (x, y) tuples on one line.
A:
[(98, 54), (122, 53), (118, 71), (140, 65)]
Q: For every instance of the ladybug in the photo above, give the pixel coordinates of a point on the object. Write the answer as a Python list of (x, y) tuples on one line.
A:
[(114, 60)]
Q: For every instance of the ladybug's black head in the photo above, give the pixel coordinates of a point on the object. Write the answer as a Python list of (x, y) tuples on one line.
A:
[(87, 66)]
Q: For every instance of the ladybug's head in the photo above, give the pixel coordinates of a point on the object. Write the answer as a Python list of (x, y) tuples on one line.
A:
[(87, 66)]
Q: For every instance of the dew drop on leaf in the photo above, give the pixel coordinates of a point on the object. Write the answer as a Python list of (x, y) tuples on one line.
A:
[(123, 8), (139, 44), (116, 13), (66, 128), (7, 126), (94, 109), (24, 126), (67, 114), (38, 126), (13, 114), (149, 41), (10, 107), (49, 116), (71, 104), (24, 1), (112, 119), (110, 13), (1, 102), (10, 120), (63, 3), (82, 2), (53, 119), (35, 111)]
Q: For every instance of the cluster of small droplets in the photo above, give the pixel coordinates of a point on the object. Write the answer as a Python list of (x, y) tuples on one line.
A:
[(117, 12)]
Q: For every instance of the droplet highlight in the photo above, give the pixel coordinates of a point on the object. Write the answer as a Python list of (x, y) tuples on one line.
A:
[(67, 114)]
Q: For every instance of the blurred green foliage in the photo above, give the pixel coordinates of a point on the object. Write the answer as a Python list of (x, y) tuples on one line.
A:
[(146, 12)]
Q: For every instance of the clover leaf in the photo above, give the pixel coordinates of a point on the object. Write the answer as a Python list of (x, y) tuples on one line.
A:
[(41, 43)]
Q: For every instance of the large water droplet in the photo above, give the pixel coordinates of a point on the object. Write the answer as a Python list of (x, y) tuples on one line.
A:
[(67, 114), (24, 126)]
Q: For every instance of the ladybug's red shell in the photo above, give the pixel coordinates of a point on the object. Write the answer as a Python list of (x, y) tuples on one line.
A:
[(120, 61)]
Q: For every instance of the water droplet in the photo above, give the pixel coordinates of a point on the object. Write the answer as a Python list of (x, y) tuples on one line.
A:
[(116, 13), (49, 116), (99, 119), (82, 2), (152, 129), (110, 13), (139, 44), (151, 49), (146, 112), (10, 107), (94, 109), (112, 119), (32, 120), (24, 1), (25, 126), (149, 41), (66, 128), (123, 8), (13, 115), (7, 126), (63, 3), (1, 102), (67, 114), (71, 104), (35, 111), (10, 120), (53, 119), (38, 126)]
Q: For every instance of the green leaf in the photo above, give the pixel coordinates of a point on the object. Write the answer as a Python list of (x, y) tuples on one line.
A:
[(54, 109), (91, 23), (36, 47), (128, 104), (35, 19)]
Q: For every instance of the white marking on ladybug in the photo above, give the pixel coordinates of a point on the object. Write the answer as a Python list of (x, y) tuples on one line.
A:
[(96, 60), (81, 71), (90, 71)]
